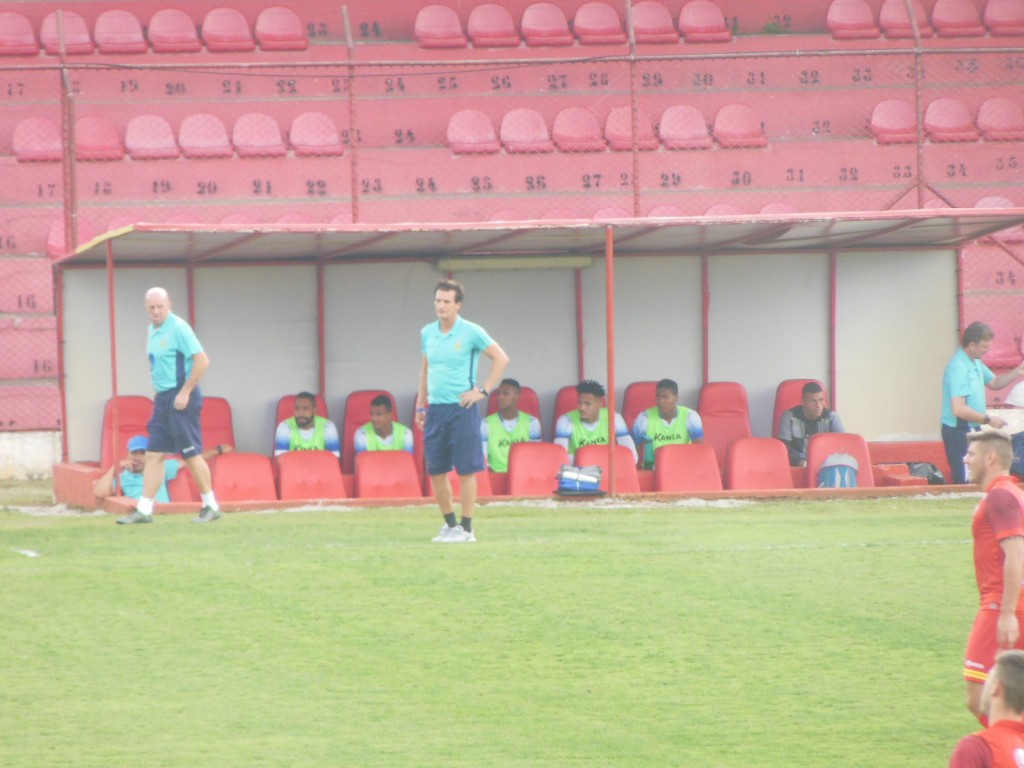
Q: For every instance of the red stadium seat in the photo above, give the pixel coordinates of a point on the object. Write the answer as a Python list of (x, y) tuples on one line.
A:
[(37, 139), (532, 468), (789, 394), (438, 26), (203, 135), (77, 39), (171, 30), (1011, 235), (29, 347), (824, 444), (545, 24), (26, 286), (957, 18), (150, 137), (779, 207), (1004, 352), (491, 26), (1001, 119), (313, 134), (639, 396), (309, 475), (894, 121), (684, 127), (1005, 17), (724, 209), (701, 21), (243, 477), (357, 413), (131, 418), (118, 31), (258, 135), (949, 120), (626, 478), (31, 407), (280, 29), (483, 485), (56, 243), (97, 138), (576, 130), (757, 463), (183, 489), (690, 468), (598, 24), (725, 415), (225, 29), (387, 475), (737, 126), (896, 21), (17, 38), (472, 132), (528, 401), (666, 212), (618, 130), (524, 130), (851, 20), (216, 423), (652, 23)]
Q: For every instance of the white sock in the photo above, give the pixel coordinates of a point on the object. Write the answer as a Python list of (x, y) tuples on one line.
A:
[(145, 506), (209, 500)]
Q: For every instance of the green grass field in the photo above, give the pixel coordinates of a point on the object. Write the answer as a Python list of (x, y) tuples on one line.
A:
[(774, 634)]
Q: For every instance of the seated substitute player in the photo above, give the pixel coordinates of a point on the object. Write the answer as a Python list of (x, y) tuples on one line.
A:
[(1002, 702), (809, 418), (588, 424), (129, 481), (305, 431), (382, 432), (506, 426), (666, 424)]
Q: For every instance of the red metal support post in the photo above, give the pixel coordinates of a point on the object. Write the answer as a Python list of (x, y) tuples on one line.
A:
[(609, 287)]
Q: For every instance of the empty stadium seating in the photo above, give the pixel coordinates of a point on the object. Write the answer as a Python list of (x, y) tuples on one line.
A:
[(725, 415), (545, 24), (652, 23), (686, 469), (17, 38), (226, 30), (957, 18), (97, 138), (824, 444), (386, 475), (576, 130), (524, 130), (216, 423), (894, 121), (26, 286), (738, 126), (470, 131), (1004, 351), (309, 475), (851, 20), (789, 394), (626, 478), (949, 120), (171, 30), (639, 396), (532, 468), (204, 136), (37, 139), (490, 25), (243, 477), (30, 407), (683, 127), (123, 417), (314, 134), (280, 29), (150, 137), (1001, 119), (118, 31), (29, 347), (618, 130), (1004, 17), (357, 413), (757, 463), (896, 22), (438, 26), (598, 24), (701, 21), (77, 39), (257, 135)]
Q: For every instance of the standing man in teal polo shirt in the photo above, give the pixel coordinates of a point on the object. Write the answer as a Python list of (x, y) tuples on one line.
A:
[(963, 394), (177, 362), (446, 402)]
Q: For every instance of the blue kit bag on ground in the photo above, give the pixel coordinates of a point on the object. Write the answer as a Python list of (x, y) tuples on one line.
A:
[(579, 481)]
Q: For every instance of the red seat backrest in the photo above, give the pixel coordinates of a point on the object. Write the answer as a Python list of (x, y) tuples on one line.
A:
[(309, 475), (387, 475), (757, 463), (532, 468), (725, 414), (216, 423), (686, 468), (133, 412), (626, 478), (243, 477), (824, 444), (639, 396)]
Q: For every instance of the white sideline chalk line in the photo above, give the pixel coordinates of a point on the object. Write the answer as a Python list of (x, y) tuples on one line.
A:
[(26, 552)]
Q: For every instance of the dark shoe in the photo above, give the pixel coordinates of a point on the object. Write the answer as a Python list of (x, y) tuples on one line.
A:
[(207, 515), (135, 517)]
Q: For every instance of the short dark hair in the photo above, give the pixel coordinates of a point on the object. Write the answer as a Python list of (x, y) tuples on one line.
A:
[(381, 400), (451, 285), (975, 332), (811, 388), (590, 387), (511, 383), (307, 396), (668, 384)]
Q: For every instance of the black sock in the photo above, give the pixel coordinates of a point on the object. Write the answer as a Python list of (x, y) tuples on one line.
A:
[(450, 520), (467, 524)]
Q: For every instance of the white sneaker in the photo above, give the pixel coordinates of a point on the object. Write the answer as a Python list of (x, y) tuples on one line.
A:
[(444, 534), (454, 535)]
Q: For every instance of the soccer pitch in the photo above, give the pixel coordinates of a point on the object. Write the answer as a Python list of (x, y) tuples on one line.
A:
[(768, 634)]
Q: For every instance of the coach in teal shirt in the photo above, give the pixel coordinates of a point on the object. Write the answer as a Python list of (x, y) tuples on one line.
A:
[(171, 347), (451, 350), (963, 394)]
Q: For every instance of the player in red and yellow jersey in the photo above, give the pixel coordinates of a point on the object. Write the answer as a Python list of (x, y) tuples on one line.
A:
[(1001, 745), (998, 531)]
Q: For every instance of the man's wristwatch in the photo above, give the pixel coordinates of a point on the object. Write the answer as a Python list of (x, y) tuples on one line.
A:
[(483, 391), (987, 419)]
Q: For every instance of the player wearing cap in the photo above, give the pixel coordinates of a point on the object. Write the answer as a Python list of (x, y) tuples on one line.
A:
[(128, 482)]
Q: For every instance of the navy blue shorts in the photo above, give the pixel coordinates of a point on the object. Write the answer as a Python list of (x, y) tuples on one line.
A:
[(451, 436), (174, 431), (955, 440)]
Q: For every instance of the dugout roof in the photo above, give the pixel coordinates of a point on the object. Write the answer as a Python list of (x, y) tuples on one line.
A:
[(160, 244)]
